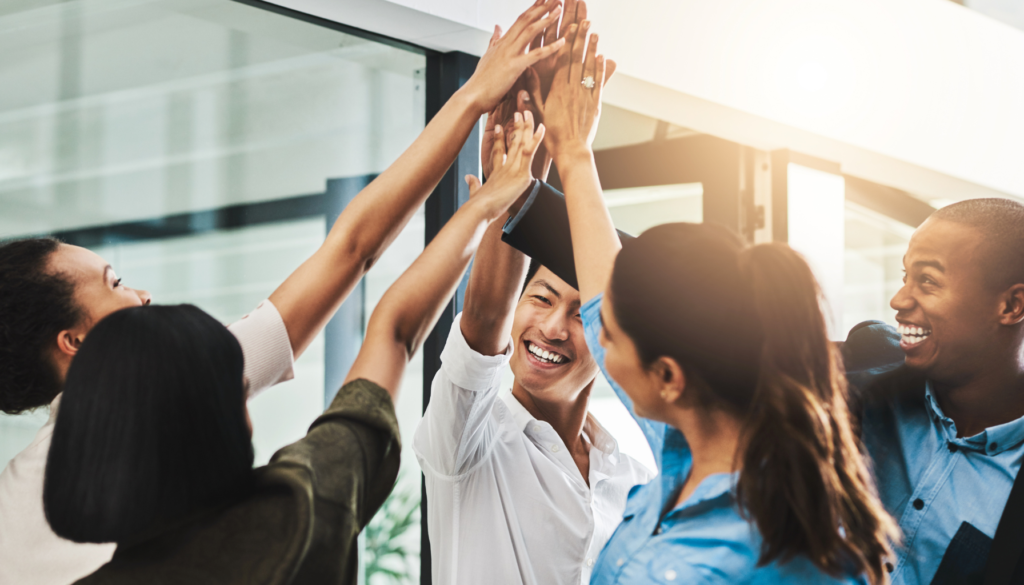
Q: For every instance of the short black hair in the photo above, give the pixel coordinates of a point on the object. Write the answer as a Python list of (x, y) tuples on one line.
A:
[(1001, 222), (530, 273), (36, 304), (151, 425)]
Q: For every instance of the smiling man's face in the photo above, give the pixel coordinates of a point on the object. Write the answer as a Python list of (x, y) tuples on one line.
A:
[(551, 360), (948, 309)]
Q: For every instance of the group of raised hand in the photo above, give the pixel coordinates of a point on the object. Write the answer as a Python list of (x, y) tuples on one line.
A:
[(562, 88), (541, 83)]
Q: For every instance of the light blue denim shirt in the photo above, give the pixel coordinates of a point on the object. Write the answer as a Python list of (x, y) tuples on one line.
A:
[(704, 540), (946, 492)]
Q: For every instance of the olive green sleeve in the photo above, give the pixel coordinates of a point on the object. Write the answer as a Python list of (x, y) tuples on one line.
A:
[(350, 459)]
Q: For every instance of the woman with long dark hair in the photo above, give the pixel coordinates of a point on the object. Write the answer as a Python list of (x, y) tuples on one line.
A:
[(152, 449), (721, 353), (51, 295)]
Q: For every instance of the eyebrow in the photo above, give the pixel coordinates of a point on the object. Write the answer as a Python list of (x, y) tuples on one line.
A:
[(545, 284), (930, 263)]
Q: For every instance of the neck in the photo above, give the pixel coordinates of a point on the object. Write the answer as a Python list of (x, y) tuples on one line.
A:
[(992, 396), (566, 415), (713, 437)]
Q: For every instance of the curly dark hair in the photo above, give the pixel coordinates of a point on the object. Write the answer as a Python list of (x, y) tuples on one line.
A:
[(35, 305)]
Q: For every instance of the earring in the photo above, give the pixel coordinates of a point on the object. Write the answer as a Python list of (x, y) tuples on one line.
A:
[(664, 394)]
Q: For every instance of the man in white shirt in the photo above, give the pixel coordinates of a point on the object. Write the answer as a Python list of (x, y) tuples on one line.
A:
[(522, 486)]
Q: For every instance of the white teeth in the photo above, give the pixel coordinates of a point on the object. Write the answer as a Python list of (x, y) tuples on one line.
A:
[(913, 330), (544, 354)]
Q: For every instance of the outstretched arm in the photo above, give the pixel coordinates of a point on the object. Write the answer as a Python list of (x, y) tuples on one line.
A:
[(411, 307), (368, 225), (571, 112)]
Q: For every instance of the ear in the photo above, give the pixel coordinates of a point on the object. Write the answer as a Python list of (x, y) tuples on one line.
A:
[(1013, 306), (68, 342), (668, 378)]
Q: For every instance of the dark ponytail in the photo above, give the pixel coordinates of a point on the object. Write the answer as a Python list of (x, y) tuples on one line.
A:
[(746, 326), (804, 480)]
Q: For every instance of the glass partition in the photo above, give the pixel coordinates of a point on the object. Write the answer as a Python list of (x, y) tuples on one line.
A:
[(135, 116), (875, 245)]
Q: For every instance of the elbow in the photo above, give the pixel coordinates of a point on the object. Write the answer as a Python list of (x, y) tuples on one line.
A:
[(359, 250)]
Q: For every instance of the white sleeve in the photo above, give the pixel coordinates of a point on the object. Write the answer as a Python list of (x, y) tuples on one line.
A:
[(457, 429), (266, 347)]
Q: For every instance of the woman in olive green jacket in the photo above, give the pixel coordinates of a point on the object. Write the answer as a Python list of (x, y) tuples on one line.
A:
[(152, 448)]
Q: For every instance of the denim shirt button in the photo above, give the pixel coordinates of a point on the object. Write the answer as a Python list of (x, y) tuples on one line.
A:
[(918, 504), (620, 562), (670, 575), (993, 446), (951, 447), (889, 567)]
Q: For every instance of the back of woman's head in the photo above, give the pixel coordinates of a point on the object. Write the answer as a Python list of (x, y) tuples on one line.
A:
[(151, 426), (35, 305), (746, 323)]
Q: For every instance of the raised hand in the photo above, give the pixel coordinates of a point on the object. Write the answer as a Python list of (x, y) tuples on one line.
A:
[(510, 174), (572, 107), (574, 12), (508, 55)]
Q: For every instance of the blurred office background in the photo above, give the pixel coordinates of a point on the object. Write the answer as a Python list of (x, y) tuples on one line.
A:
[(203, 147)]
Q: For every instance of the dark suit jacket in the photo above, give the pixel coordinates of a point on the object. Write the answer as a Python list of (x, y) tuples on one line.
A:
[(299, 523)]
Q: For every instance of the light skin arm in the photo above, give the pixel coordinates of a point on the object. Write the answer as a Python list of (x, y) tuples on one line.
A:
[(312, 294), (497, 274), (571, 113), (494, 285), (411, 307)]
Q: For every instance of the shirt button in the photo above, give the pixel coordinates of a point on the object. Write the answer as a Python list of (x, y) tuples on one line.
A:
[(620, 562), (993, 446), (554, 448), (951, 447), (889, 567), (590, 562), (918, 504), (670, 575)]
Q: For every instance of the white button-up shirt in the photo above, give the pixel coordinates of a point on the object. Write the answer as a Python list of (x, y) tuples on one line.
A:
[(506, 502), (30, 553)]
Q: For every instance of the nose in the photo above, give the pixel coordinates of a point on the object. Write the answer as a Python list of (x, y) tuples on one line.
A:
[(144, 296), (902, 300), (555, 327)]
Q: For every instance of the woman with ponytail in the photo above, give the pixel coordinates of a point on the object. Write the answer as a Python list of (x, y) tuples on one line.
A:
[(720, 352)]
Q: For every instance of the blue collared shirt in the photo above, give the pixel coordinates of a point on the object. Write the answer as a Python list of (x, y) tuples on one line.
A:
[(704, 540), (946, 492)]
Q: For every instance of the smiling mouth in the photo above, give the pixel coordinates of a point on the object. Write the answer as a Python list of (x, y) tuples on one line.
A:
[(912, 334), (544, 356)]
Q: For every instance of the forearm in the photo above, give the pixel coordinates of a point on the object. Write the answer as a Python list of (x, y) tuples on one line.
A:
[(370, 223), (411, 307), (595, 242), (494, 285)]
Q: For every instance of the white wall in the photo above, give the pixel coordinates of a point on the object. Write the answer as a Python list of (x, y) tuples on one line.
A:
[(923, 95)]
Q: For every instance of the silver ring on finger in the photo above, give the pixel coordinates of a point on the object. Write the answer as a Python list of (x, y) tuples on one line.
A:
[(588, 82)]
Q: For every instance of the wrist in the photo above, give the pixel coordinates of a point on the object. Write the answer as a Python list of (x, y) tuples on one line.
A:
[(483, 207), (468, 98), (570, 155)]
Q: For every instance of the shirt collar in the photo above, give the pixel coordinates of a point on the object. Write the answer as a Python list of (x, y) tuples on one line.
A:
[(599, 437), (715, 490), (993, 440), (54, 405)]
